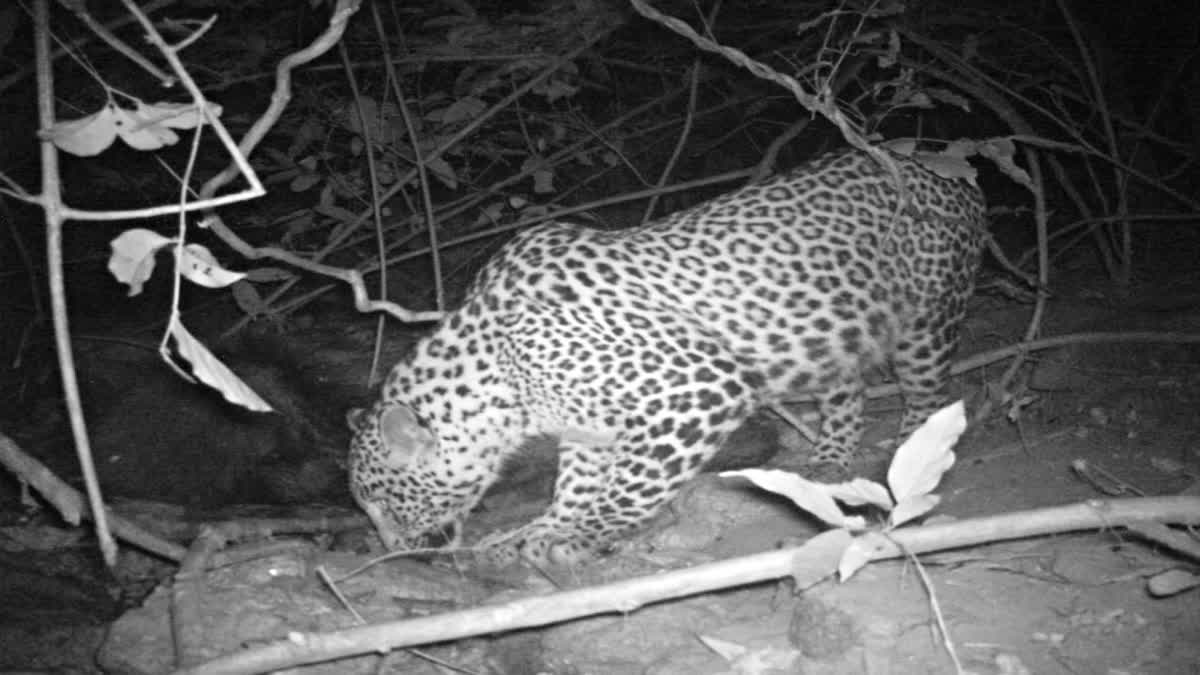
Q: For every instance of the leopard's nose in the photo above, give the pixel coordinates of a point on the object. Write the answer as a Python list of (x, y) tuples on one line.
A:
[(389, 532)]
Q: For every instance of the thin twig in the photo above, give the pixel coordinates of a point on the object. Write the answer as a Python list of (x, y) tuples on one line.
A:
[(684, 134), (1100, 103), (35, 298), (52, 204), (1033, 330), (1084, 209), (435, 255), (936, 608), (101, 31), (370, 141)]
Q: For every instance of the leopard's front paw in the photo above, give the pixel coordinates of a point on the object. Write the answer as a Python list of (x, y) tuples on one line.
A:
[(540, 544), (555, 551), (501, 549)]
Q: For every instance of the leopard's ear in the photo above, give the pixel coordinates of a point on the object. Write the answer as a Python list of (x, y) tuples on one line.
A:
[(403, 434), (356, 419)]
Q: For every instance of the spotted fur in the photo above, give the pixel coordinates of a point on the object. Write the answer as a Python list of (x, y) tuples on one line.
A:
[(644, 348)]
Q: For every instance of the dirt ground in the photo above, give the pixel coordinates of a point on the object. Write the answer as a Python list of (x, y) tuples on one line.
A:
[(1071, 603)]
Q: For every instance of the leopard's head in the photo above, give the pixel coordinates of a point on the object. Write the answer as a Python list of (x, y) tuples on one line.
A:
[(398, 479)]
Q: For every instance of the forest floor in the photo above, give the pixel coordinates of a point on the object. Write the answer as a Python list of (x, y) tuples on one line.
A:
[(1070, 603)]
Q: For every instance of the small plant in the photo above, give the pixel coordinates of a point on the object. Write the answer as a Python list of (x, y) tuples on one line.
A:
[(915, 471)]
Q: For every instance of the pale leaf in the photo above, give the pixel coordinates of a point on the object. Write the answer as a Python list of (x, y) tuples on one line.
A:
[(142, 131), (859, 492), (819, 557), (766, 660), (1002, 152), (86, 136), (912, 508), (861, 551), (804, 493), (926, 455), (201, 268), (1172, 582), (176, 115), (730, 651), (209, 370), (132, 259), (854, 557)]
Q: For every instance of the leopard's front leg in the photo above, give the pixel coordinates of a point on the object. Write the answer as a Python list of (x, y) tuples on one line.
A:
[(594, 507), (556, 537)]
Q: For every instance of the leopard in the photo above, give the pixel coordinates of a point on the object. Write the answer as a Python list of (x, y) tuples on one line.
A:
[(642, 349)]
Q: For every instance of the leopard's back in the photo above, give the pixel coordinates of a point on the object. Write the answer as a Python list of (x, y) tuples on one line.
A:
[(806, 274)]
